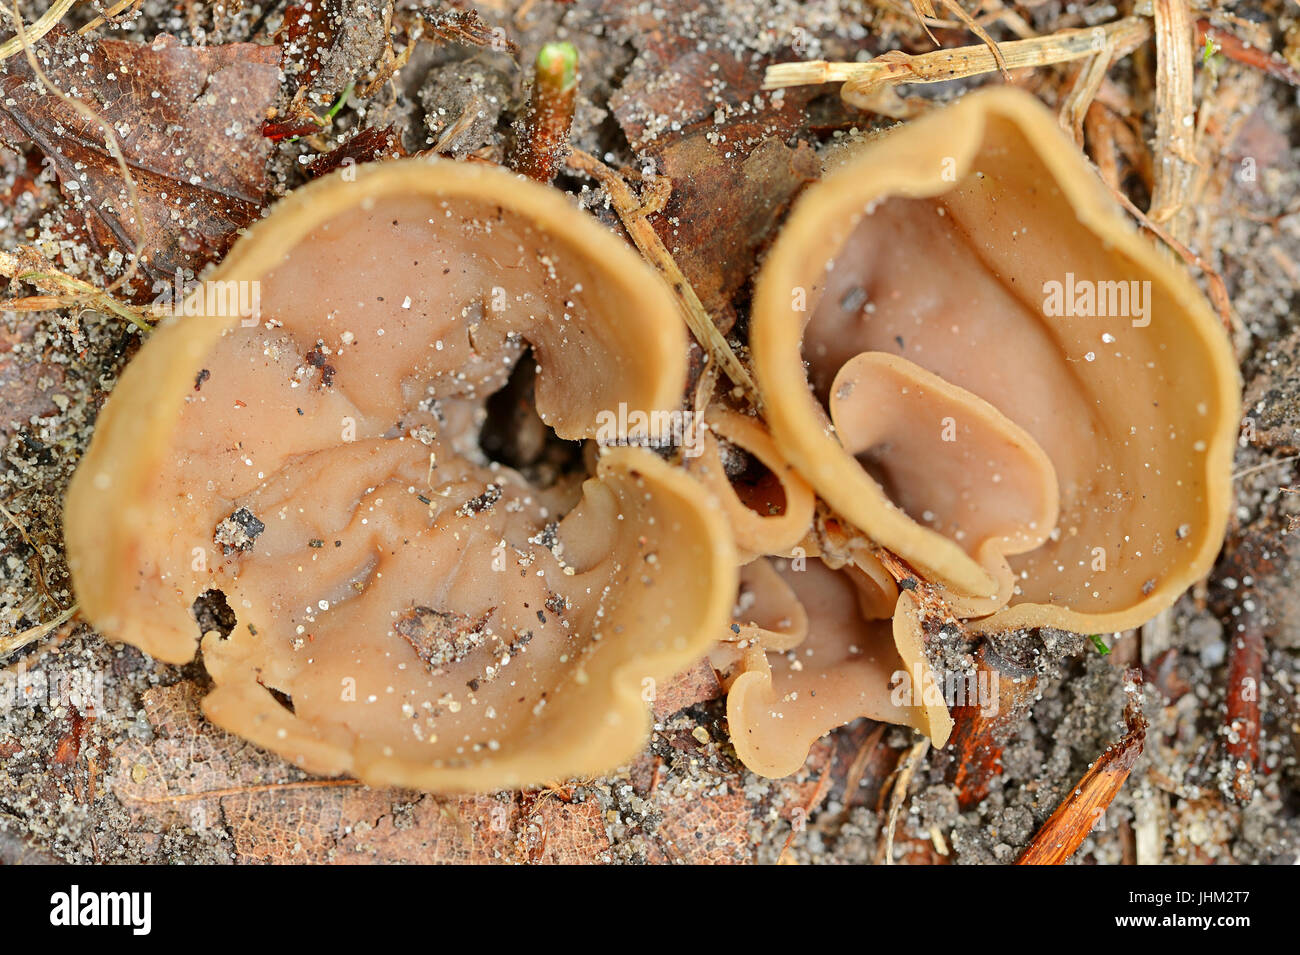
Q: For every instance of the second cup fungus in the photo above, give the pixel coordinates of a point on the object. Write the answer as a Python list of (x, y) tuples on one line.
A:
[(977, 362), (1006, 385), (408, 610)]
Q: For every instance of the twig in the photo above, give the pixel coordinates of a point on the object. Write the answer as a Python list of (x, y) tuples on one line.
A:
[(391, 62), (26, 267), (633, 215), (1002, 14), (544, 139), (23, 638), (1241, 730), (898, 795), (853, 779), (1087, 802), (447, 141), (806, 810), (1112, 138), (924, 10), (41, 580), (30, 35), (1218, 289), (107, 15), (982, 727), (895, 68), (1175, 147), (1235, 49), (1267, 464), (1075, 108), (978, 30)]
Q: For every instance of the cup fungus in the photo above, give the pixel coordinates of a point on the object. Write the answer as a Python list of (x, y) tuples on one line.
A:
[(814, 648), (1010, 388), (767, 504), (408, 610), (973, 357)]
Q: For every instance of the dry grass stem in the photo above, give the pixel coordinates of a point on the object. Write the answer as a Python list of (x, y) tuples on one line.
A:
[(862, 80), (1175, 124), (633, 214)]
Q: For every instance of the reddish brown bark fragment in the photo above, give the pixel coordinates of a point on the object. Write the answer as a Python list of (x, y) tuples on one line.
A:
[(1239, 51), (1245, 671), (982, 729)]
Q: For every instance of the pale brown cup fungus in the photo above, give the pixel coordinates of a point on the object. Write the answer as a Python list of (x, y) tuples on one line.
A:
[(815, 647), (808, 650), (979, 399), (408, 611), (1012, 389), (767, 503)]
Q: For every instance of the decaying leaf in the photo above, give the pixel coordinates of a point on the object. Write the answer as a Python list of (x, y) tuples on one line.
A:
[(369, 145), (706, 829), (691, 686), (723, 210), (198, 777), (696, 111), (681, 82), (186, 120), (308, 31), (27, 389), (456, 25)]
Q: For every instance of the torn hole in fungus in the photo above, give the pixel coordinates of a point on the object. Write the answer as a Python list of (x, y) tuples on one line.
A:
[(755, 485), (768, 504), (514, 434), (213, 613), (284, 699)]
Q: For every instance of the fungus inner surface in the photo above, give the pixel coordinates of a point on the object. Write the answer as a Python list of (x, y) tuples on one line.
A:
[(404, 601), (956, 285)]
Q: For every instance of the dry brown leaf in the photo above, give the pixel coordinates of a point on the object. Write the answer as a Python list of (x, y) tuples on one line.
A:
[(369, 145), (309, 30), (187, 121), (27, 388), (705, 830), (687, 688), (193, 775), (726, 204)]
